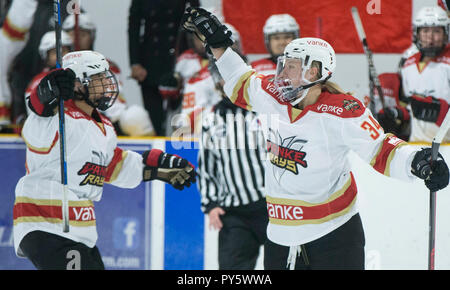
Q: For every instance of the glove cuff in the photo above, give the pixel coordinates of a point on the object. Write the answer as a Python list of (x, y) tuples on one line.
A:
[(442, 112), (152, 157)]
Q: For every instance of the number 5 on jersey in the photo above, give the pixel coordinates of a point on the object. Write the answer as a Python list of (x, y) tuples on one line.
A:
[(372, 126)]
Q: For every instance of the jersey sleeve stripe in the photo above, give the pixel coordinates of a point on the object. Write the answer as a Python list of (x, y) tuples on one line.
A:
[(42, 150), (13, 32), (240, 96), (116, 164), (382, 160)]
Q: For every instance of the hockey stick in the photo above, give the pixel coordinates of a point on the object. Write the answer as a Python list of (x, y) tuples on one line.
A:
[(375, 81), (62, 135), (437, 140), (77, 32)]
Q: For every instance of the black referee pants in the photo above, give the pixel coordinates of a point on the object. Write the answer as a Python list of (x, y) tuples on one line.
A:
[(242, 235), (52, 252), (342, 249)]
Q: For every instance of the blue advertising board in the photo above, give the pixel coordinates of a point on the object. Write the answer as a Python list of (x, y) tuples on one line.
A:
[(184, 221)]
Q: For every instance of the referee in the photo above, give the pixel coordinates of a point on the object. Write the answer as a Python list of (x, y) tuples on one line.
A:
[(231, 182)]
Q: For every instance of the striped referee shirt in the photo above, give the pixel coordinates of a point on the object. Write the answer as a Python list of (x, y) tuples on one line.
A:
[(230, 159)]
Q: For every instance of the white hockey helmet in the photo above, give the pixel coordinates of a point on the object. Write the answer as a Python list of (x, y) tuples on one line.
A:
[(87, 66), (48, 42), (84, 22), (430, 16), (280, 23), (135, 121), (299, 56)]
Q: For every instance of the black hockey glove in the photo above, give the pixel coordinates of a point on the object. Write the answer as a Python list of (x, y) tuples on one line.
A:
[(429, 109), (391, 119), (168, 168), (58, 83), (207, 27), (435, 174)]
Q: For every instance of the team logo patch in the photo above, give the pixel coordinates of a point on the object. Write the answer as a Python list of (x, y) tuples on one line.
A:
[(95, 174), (286, 154), (351, 105)]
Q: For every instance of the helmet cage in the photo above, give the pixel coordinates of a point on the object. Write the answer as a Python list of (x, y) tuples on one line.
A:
[(103, 84)]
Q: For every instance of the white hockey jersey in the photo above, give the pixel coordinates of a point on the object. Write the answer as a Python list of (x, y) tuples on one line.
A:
[(199, 94), (189, 63), (310, 190), (93, 158), (431, 79), (13, 37)]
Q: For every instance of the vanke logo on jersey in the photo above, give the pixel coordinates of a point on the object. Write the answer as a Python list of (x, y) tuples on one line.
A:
[(95, 174)]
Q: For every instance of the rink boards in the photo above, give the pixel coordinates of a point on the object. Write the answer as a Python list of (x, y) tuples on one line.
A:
[(154, 226)]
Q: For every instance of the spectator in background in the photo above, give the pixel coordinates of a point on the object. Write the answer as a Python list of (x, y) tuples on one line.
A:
[(425, 74), (152, 53), (27, 64), (279, 30), (14, 33), (131, 120)]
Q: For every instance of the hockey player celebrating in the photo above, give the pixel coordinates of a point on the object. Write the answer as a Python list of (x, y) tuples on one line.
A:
[(93, 158), (310, 125), (425, 75), (279, 30)]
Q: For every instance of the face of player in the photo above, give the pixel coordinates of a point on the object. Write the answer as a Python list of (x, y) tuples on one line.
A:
[(103, 90), (278, 42), (51, 56), (432, 37), (292, 70), (84, 38), (102, 85)]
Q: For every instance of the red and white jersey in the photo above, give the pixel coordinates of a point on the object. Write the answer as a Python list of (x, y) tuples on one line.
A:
[(199, 94), (430, 79), (310, 189), (13, 37), (93, 159), (264, 66), (189, 63), (390, 84)]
